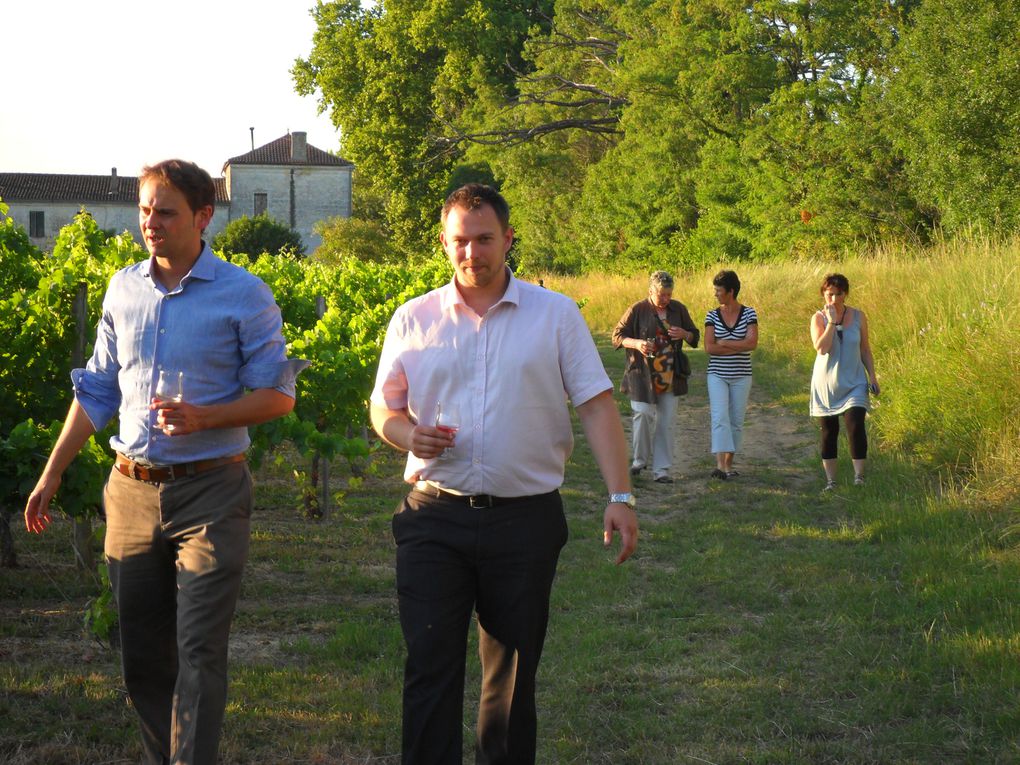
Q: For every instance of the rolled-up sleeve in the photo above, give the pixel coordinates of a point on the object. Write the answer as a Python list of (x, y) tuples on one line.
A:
[(281, 375), (98, 395), (263, 348), (96, 387)]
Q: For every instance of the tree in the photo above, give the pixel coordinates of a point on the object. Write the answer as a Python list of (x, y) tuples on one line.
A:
[(395, 75), (256, 236), (957, 115), (651, 133), (542, 143)]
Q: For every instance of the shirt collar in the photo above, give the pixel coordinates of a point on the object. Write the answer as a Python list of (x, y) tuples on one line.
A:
[(450, 295), (204, 268)]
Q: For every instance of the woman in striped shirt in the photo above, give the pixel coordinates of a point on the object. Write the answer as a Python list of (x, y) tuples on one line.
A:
[(731, 333)]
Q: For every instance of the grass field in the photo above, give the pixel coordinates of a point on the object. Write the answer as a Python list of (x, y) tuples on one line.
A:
[(759, 622)]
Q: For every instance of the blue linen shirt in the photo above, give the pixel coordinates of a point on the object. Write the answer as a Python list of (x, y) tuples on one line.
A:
[(221, 327)]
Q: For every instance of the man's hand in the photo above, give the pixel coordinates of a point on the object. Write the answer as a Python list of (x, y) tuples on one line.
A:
[(37, 509), (427, 442), (177, 418), (396, 428), (76, 431), (619, 517)]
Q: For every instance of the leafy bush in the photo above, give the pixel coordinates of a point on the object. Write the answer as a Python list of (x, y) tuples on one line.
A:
[(257, 236), (358, 238)]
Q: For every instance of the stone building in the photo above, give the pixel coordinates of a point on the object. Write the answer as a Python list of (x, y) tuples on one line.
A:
[(293, 182)]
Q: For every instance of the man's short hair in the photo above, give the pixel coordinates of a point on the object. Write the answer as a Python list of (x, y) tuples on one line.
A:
[(471, 196), (728, 280), (188, 178), (660, 280)]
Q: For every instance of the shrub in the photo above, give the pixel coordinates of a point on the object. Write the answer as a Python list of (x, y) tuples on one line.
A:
[(257, 236)]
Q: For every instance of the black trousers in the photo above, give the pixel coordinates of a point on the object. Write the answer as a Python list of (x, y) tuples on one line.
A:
[(855, 433), (453, 560)]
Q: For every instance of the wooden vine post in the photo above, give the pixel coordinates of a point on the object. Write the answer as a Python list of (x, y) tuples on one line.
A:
[(81, 528), (318, 507)]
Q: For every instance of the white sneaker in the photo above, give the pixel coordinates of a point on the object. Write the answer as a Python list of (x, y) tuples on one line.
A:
[(830, 486), (858, 480)]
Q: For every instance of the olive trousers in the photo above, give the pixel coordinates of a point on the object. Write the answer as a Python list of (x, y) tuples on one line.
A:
[(176, 551)]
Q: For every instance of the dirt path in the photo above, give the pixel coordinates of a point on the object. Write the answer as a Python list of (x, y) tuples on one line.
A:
[(779, 449)]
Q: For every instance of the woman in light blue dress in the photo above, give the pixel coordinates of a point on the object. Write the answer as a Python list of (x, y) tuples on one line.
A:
[(843, 376)]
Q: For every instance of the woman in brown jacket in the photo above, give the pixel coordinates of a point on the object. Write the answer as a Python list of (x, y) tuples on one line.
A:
[(653, 331)]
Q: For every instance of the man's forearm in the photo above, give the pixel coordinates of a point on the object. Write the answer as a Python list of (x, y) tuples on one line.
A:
[(253, 408), (393, 426), (76, 432)]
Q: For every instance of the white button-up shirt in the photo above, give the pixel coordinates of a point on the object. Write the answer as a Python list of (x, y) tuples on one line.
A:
[(510, 372)]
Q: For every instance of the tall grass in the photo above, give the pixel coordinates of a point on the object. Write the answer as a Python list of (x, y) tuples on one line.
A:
[(944, 329)]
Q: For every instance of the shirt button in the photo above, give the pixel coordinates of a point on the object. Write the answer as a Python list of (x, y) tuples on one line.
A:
[(162, 331)]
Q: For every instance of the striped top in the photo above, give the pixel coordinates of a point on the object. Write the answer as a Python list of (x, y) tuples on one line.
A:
[(739, 364)]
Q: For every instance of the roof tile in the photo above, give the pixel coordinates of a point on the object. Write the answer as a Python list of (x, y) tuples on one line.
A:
[(59, 187), (278, 152)]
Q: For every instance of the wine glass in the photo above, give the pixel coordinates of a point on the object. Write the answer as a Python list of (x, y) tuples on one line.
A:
[(170, 387), (448, 421), (654, 345)]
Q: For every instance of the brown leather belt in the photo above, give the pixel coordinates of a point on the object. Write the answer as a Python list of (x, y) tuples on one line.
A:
[(164, 473)]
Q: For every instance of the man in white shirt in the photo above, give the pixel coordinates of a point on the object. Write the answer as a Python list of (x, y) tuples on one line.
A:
[(483, 526)]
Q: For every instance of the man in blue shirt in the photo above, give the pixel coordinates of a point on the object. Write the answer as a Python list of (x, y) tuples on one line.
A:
[(178, 503)]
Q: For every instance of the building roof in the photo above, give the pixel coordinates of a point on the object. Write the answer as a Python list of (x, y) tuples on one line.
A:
[(80, 189), (282, 152)]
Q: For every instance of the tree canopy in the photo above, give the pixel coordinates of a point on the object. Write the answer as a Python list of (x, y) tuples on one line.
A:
[(672, 133)]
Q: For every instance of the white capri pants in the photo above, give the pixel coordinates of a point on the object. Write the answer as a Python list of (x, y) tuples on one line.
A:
[(727, 399)]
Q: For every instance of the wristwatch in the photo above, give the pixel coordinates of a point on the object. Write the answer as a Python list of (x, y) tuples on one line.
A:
[(626, 499)]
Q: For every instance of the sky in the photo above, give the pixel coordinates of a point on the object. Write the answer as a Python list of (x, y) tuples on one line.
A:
[(86, 87)]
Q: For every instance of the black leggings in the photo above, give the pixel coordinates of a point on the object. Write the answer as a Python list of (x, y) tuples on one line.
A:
[(858, 438)]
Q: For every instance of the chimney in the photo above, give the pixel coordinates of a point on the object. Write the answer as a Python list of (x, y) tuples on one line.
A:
[(299, 146), (114, 181)]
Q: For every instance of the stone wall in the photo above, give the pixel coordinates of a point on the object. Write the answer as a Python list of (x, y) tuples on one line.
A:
[(111, 217), (298, 196)]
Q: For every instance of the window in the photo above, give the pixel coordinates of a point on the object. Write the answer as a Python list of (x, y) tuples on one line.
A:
[(261, 202), (37, 224)]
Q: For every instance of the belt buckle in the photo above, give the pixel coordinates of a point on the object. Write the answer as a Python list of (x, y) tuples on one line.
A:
[(480, 501)]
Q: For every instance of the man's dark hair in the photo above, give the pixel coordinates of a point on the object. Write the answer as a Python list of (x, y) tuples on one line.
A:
[(838, 281), (188, 178), (728, 281), (471, 196)]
